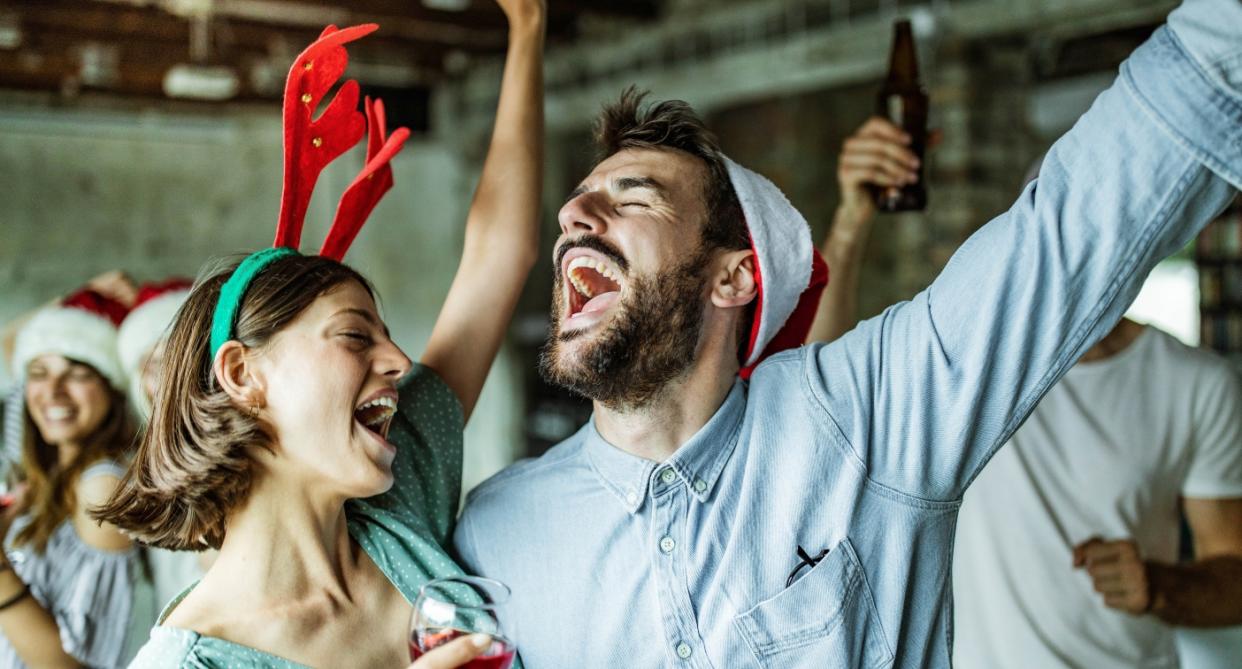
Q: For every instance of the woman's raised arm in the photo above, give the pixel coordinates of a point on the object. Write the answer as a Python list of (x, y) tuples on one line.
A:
[(502, 227)]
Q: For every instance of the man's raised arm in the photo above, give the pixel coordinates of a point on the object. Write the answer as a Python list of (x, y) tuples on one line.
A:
[(925, 392)]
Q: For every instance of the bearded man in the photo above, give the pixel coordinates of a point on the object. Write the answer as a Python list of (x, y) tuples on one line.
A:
[(724, 508)]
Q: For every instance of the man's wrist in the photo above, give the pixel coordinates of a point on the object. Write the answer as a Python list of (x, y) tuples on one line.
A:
[(851, 225), (1158, 577)]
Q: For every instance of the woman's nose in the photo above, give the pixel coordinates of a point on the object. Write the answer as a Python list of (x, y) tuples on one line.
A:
[(394, 363)]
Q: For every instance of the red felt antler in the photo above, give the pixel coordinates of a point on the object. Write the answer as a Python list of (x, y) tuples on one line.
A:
[(311, 144), (368, 187)]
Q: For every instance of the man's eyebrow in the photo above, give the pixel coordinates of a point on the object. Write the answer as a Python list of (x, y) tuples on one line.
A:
[(582, 188), (628, 183)]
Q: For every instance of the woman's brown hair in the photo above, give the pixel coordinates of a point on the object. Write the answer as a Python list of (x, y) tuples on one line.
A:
[(193, 465), (50, 495)]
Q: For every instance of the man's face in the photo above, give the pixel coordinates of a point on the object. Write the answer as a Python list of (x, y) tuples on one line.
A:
[(631, 277)]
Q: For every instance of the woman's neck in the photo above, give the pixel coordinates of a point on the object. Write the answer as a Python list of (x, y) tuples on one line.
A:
[(284, 545), (66, 453)]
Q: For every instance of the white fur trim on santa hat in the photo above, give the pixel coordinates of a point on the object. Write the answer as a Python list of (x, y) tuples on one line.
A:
[(783, 249), (74, 333), (141, 330)]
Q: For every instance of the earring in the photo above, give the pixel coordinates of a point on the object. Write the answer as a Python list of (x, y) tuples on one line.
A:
[(254, 410)]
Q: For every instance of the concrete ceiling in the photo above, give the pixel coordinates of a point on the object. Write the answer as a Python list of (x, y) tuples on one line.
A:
[(125, 48)]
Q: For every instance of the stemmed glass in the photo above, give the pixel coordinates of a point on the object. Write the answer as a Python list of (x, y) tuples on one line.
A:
[(447, 608)]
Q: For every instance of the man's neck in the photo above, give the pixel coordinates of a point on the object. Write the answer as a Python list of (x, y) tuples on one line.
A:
[(682, 408), (1117, 340)]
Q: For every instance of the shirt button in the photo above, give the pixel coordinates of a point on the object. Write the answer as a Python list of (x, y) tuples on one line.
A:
[(631, 497), (668, 475), (667, 544), (683, 651), (700, 486)]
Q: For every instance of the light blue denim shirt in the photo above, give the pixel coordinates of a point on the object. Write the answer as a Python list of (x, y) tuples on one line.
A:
[(865, 446)]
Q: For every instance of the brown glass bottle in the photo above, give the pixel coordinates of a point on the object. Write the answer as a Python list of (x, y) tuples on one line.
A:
[(903, 101)]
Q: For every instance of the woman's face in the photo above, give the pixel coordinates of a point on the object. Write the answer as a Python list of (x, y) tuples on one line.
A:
[(329, 381), (67, 400), (152, 364)]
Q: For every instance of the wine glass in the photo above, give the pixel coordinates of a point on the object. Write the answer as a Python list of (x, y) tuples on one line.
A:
[(447, 608)]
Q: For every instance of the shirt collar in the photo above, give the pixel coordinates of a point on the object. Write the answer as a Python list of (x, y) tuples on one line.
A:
[(697, 463)]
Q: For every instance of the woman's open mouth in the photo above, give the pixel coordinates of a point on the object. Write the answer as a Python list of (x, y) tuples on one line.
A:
[(376, 415), (594, 285)]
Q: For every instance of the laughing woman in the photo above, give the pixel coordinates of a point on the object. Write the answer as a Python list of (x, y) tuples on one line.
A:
[(71, 591), (292, 434)]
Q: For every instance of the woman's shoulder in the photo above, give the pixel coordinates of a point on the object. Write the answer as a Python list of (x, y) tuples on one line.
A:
[(427, 400), (187, 649), (103, 467), (169, 647)]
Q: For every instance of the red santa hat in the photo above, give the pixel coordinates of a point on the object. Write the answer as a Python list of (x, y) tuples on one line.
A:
[(82, 327), (145, 325), (789, 272)]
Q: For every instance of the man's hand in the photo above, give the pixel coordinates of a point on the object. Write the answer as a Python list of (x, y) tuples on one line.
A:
[(1117, 572), (878, 154), (523, 12), (454, 653)]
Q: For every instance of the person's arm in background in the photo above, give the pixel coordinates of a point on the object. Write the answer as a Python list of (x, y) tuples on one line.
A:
[(876, 153), (924, 393), (114, 284), (502, 227), (1203, 593), (29, 628), (1208, 591)]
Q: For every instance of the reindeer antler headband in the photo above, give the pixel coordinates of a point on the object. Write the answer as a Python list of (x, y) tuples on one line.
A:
[(310, 144)]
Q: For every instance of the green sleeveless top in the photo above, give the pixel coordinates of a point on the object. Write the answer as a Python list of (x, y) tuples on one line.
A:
[(404, 531)]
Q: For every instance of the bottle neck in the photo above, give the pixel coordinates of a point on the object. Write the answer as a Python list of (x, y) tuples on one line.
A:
[(903, 64)]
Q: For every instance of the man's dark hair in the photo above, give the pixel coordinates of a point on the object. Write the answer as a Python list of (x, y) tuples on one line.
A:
[(673, 124)]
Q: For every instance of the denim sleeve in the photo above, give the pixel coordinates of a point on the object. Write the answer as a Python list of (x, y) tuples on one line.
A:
[(925, 392)]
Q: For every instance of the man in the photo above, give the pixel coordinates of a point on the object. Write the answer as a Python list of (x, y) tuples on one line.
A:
[(1141, 426), (805, 518)]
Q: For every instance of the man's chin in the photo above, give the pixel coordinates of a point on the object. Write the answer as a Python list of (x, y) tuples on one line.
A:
[(582, 325)]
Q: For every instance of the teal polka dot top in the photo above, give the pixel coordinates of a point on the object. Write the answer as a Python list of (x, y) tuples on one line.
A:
[(404, 531)]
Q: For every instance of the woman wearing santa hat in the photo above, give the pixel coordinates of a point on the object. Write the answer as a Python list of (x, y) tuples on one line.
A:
[(140, 345), (72, 591)]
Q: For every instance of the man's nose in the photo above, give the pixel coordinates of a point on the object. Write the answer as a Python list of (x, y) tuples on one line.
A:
[(584, 213)]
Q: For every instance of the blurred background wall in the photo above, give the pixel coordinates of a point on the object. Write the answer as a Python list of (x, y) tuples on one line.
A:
[(105, 163)]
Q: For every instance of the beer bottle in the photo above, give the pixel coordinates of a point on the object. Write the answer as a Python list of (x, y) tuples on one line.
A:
[(903, 101)]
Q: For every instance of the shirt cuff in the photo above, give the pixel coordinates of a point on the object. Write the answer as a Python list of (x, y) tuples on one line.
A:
[(1200, 111)]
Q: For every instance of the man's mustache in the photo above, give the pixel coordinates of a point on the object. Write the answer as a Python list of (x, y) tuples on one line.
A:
[(593, 243)]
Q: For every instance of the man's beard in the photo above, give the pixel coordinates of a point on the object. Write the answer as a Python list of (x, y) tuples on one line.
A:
[(652, 340)]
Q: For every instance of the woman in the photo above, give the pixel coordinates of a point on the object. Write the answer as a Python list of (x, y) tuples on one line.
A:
[(140, 347), (71, 591), (278, 443)]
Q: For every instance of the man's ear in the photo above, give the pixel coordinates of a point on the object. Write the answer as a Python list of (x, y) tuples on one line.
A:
[(734, 282), (237, 376)]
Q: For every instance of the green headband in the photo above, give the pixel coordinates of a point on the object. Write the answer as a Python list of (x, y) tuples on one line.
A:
[(234, 290)]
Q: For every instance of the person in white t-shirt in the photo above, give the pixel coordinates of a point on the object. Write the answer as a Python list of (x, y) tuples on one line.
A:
[(1068, 541)]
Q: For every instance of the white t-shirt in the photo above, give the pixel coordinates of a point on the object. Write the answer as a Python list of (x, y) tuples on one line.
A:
[(1107, 453)]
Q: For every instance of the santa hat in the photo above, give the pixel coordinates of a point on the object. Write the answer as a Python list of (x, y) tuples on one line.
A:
[(142, 329), (82, 328), (789, 272)]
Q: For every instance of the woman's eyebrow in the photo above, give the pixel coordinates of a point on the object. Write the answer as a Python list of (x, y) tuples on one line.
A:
[(365, 315)]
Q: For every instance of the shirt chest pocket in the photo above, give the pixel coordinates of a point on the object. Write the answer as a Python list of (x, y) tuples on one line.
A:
[(827, 618)]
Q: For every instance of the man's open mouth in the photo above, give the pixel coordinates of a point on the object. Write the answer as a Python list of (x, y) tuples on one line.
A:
[(376, 414), (594, 284)]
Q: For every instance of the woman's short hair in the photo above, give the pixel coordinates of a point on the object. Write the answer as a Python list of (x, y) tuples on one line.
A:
[(194, 463)]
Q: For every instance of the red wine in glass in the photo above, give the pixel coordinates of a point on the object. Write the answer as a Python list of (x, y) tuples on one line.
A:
[(498, 656)]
